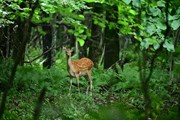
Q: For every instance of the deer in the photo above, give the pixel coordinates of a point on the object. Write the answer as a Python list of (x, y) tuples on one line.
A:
[(77, 68)]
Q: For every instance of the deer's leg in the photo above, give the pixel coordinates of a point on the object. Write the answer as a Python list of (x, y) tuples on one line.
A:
[(87, 87), (77, 82), (70, 85), (90, 83)]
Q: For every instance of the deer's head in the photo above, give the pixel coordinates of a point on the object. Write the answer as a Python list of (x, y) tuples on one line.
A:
[(68, 51)]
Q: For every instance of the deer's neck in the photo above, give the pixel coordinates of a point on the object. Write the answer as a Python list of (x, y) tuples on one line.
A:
[(68, 62), (69, 66)]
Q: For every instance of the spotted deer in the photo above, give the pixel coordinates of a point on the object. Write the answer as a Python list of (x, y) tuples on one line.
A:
[(77, 68)]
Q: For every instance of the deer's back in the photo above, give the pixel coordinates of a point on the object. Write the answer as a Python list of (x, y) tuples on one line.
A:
[(82, 64)]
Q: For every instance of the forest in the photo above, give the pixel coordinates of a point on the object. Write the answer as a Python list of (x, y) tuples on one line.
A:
[(89, 59)]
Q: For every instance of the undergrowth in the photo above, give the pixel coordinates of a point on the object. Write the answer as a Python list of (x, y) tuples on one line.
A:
[(116, 96)]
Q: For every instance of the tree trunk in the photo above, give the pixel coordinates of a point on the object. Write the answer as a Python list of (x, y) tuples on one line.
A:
[(19, 28), (17, 39), (111, 42), (145, 78), (54, 41), (4, 42), (95, 45), (47, 44), (111, 49)]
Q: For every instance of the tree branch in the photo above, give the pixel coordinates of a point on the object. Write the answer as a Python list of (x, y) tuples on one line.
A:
[(53, 47)]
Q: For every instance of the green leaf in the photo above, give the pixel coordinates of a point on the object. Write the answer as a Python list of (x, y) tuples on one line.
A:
[(138, 38), (112, 25), (152, 41), (174, 17), (41, 32), (151, 29), (101, 24), (175, 24), (83, 37), (160, 25), (136, 3), (15, 6), (124, 23), (154, 11), (76, 33), (80, 30), (71, 31), (156, 46), (81, 17), (95, 22), (127, 1), (149, 41), (133, 12), (169, 46), (81, 41), (88, 33), (144, 45), (89, 1), (161, 3)]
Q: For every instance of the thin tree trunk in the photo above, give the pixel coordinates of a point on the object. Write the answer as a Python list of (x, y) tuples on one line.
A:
[(171, 66), (54, 40), (144, 76), (3, 42), (39, 104)]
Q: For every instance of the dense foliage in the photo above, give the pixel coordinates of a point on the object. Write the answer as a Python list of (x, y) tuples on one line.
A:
[(134, 45)]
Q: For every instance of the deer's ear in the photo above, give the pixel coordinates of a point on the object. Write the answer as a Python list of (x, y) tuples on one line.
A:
[(64, 48)]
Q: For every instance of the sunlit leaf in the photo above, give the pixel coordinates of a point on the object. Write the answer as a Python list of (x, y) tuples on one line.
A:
[(154, 11), (174, 17), (151, 29), (156, 46), (127, 1), (136, 3), (101, 24), (161, 3), (160, 25), (175, 24), (133, 12), (89, 1), (76, 33), (15, 6), (122, 22), (81, 17), (71, 31), (138, 38), (81, 41), (144, 45), (169, 46), (81, 31)]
